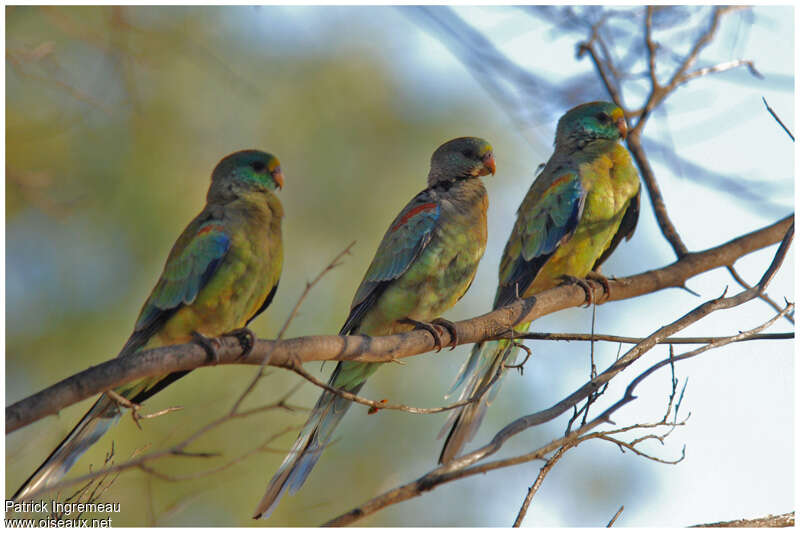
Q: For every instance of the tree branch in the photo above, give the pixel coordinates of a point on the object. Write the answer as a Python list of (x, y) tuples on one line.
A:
[(764, 296), (283, 353), (781, 520), (463, 466), (538, 483), (777, 119), (593, 337), (658, 93)]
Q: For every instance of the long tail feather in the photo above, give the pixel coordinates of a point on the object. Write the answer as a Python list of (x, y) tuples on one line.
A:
[(486, 361), (314, 437), (92, 426), (463, 423)]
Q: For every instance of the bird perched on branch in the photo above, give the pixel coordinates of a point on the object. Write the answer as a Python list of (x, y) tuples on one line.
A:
[(424, 265), (585, 200), (221, 273)]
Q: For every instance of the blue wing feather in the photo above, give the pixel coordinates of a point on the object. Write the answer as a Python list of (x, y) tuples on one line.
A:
[(403, 242), (553, 218), (188, 269)]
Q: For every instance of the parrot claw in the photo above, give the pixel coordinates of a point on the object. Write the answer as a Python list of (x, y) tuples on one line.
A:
[(124, 402), (208, 344), (246, 338), (450, 327), (596, 275), (437, 339), (582, 283)]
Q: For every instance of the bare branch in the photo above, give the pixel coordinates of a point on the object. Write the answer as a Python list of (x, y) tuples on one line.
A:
[(281, 353), (632, 447), (463, 466), (605, 69), (762, 296), (777, 119), (589, 337), (634, 143), (721, 67), (614, 518), (538, 483), (701, 43), (378, 405), (781, 520), (651, 47), (141, 461), (293, 313)]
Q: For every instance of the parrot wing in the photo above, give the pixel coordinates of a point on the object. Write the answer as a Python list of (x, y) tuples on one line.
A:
[(539, 230), (403, 242)]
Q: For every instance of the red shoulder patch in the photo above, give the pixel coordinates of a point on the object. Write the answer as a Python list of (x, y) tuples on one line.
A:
[(417, 210), (210, 228)]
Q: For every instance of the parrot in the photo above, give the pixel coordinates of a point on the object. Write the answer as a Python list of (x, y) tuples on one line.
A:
[(221, 273), (578, 209), (423, 266)]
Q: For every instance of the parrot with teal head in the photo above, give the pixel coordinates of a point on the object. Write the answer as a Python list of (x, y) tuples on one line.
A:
[(423, 266), (579, 208), (221, 273)]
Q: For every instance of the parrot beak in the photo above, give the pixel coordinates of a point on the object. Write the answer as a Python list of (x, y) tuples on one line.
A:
[(489, 166), (277, 175), (622, 126)]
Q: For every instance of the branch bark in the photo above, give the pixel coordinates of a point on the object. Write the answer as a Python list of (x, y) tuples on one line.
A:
[(781, 520), (291, 352), (465, 466)]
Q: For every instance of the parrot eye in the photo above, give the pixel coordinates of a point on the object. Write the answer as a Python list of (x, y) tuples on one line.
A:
[(603, 117), (258, 166)]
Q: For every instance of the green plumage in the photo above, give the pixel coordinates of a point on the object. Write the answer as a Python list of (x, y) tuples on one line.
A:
[(423, 266), (222, 271), (585, 200)]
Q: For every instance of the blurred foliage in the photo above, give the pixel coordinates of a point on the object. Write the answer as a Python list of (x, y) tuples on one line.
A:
[(115, 117)]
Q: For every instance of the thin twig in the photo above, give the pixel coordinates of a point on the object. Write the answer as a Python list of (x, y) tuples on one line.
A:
[(735, 274), (463, 466), (722, 67), (292, 314), (378, 405), (538, 483), (586, 337), (614, 518), (781, 520), (177, 450), (775, 116), (494, 324)]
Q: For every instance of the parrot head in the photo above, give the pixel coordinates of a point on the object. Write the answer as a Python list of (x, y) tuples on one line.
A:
[(249, 170), (461, 158), (590, 122)]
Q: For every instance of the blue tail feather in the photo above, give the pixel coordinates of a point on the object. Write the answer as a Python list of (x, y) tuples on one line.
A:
[(307, 449), (94, 424)]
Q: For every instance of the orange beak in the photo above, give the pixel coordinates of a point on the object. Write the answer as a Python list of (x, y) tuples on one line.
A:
[(277, 175), (622, 126), (489, 164)]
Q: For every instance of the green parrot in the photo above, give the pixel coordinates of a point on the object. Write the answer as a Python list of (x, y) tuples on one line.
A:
[(424, 265), (579, 208), (221, 273)]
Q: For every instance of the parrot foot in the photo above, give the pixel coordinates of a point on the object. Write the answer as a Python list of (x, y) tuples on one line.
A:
[(430, 328), (246, 338), (209, 344), (582, 283), (528, 354), (124, 402), (450, 327), (596, 275)]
